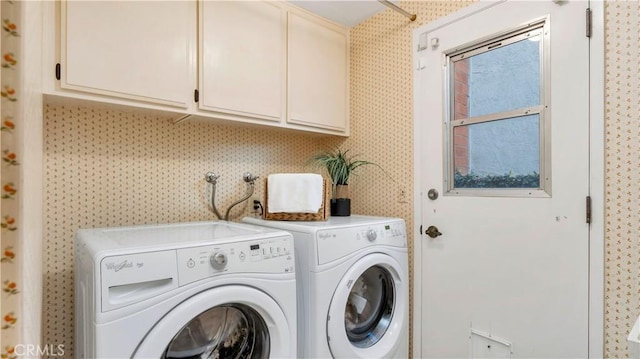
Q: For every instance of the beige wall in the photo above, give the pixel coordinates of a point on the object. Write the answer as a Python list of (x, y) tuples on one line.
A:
[(622, 173), (107, 167)]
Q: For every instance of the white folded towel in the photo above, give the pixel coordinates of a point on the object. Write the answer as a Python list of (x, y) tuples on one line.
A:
[(294, 192)]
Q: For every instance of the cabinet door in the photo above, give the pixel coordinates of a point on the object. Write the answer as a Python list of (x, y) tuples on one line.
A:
[(242, 64), (317, 74), (139, 50)]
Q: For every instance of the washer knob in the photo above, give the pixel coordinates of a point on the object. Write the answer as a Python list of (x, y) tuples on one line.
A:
[(218, 260), (372, 235)]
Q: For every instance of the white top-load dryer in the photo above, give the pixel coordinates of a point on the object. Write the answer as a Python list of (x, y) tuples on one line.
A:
[(353, 282), (202, 289)]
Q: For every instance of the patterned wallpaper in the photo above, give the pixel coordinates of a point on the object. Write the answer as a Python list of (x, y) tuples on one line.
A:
[(10, 223), (622, 173), (112, 167), (108, 167)]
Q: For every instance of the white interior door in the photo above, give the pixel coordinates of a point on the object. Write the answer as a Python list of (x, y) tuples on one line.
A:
[(502, 105)]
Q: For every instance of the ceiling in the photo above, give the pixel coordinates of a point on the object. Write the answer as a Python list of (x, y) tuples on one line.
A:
[(348, 13)]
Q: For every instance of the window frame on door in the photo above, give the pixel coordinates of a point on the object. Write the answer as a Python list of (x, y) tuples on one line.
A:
[(535, 27)]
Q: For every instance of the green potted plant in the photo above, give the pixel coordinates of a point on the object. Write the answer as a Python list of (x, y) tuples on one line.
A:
[(340, 166)]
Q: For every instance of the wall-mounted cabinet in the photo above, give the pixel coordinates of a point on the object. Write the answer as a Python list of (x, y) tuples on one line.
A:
[(117, 49), (318, 73), (243, 58), (265, 63)]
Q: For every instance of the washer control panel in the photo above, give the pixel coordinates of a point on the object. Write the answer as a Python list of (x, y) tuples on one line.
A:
[(339, 242), (269, 255)]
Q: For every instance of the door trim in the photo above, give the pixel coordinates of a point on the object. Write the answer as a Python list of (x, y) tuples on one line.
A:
[(596, 176), (596, 180)]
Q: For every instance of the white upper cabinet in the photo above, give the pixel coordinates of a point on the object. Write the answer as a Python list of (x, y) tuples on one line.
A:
[(242, 59), (317, 73), (137, 50), (258, 62)]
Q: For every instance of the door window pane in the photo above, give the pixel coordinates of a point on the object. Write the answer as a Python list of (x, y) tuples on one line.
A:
[(498, 117), (498, 154), (501, 79)]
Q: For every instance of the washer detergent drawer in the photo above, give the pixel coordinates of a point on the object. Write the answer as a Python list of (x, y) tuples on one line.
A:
[(129, 279)]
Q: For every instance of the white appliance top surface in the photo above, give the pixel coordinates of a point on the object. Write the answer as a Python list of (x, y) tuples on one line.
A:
[(313, 226), (171, 235)]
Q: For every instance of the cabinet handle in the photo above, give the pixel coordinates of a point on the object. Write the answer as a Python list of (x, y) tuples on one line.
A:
[(58, 71), (196, 95)]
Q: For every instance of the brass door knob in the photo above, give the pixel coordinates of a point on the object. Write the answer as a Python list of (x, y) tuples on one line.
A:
[(432, 231)]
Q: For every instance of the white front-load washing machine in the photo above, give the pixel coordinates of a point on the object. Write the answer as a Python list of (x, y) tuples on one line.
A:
[(353, 284), (201, 289)]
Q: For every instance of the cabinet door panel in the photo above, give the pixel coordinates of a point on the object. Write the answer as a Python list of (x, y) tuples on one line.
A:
[(318, 75), (242, 58), (139, 50)]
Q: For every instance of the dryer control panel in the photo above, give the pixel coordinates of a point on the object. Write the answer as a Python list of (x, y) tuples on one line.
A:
[(269, 255), (336, 243)]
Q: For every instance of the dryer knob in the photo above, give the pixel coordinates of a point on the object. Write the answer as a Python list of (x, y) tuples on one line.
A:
[(372, 235), (218, 260)]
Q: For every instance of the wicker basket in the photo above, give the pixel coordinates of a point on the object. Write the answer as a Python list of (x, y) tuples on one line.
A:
[(321, 215)]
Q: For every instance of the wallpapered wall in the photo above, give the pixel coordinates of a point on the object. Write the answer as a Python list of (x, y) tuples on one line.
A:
[(10, 223), (107, 167), (622, 173), (115, 167)]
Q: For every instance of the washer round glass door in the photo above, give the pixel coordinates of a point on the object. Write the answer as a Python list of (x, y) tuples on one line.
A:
[(369, 307), (368, 319), (224, 322), (225, 331)]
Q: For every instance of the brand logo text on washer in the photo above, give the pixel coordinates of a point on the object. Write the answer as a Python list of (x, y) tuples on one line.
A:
[(116, 267)]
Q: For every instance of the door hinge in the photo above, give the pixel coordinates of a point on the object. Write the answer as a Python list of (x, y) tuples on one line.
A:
[(58, 71), (589, 209), (196, 95), (588, 17)]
